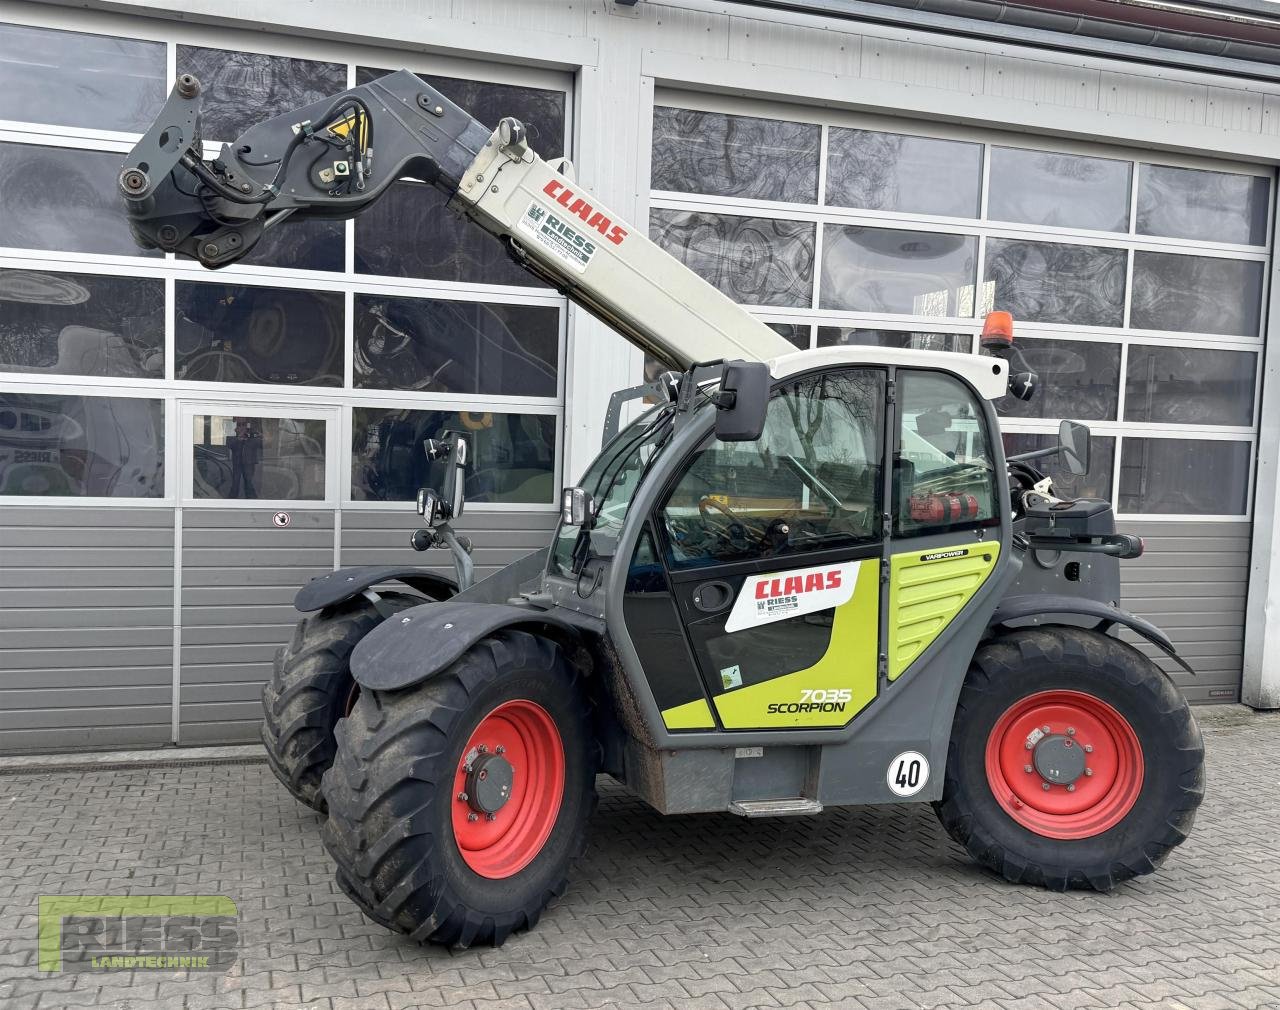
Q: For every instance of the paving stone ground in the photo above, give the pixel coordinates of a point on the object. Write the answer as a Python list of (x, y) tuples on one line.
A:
[(864, 908)]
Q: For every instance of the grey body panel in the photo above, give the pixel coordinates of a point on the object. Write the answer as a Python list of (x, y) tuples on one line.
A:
[(345, 583)]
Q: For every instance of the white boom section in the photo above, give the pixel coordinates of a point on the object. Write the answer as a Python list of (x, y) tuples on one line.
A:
[(605, 264)]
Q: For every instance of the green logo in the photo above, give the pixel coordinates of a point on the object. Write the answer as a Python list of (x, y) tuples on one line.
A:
[(158, 932)]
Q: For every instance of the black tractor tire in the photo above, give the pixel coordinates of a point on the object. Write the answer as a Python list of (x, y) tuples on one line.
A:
[(311, 688), (394, 796), (1009, 676)]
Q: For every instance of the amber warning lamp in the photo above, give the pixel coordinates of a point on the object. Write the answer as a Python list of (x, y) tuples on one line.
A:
[(997, 340), (997, 331)]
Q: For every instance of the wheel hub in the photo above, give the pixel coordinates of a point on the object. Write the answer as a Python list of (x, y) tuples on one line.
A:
[(489, 783), (1058, 760)]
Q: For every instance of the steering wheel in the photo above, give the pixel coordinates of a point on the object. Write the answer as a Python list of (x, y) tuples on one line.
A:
[(723, 527)]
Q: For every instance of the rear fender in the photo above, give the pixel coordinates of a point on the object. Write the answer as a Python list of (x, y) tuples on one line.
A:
[(416, 644), (348, 582), (1044, 606)]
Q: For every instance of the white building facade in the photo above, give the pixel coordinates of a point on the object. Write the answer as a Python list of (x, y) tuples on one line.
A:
[(852, 172)]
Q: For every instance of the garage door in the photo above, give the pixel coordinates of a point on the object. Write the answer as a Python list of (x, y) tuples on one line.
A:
[(1137, 282)]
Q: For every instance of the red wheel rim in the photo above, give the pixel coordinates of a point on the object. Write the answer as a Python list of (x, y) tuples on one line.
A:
[(505, 841), (1105, 790)]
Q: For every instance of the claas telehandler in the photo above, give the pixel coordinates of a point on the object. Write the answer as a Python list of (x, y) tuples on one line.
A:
[(797, 579)]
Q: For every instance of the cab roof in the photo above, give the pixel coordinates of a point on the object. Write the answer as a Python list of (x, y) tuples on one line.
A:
[(989, 376)]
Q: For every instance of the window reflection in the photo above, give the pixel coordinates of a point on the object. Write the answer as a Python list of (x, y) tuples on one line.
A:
[(1190, 385), (237, 333), (81, 446), (886, 270), (1184, 476), (839, 336), (1196, 294), (81, 324), (512, 455), (303, 245), (1077, 378), (1206, 206), (1094, 483), (434, 345), (893, 172), (272, 458), (1059, 190), (1053, 282)]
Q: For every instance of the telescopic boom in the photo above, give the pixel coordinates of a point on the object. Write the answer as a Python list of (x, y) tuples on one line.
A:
[(335, 158)]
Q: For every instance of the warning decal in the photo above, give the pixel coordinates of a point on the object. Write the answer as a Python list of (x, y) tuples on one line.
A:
[(557, 237), (775, 597)]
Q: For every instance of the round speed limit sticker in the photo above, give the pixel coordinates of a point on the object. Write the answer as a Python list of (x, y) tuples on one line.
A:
[(908, 773)]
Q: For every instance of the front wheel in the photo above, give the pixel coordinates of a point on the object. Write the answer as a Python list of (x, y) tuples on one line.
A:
[(1074, 761), (456, 805)]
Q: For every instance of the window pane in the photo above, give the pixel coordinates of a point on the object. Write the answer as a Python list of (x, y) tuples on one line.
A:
[(409, 233), (541, 110), (742, 156), (1059, 190), (882, 270), (1050, 282), (82, 446), (1184, 476), (1188, 385), (74, 79), (430, 345), (812, 481), (1209, 206), (241, 89), (274, 458), (1079, 379), (1096, 483), (946, 456), (753, 260), (81, 324), (512, 455), (236, 333), (1196, 294), (835, 336), (59, 198), (911, 175), (303, 245), (796, 333)]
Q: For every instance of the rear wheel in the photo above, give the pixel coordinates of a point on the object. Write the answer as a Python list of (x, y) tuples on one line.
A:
[(311, 688), (1074, 761), (457, 805)]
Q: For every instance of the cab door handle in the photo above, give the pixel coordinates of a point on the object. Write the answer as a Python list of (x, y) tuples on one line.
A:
[(711, 597)]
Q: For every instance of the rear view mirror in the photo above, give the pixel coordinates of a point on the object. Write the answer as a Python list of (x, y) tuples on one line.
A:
[(1073, 447), (449, 460), (742, 402)]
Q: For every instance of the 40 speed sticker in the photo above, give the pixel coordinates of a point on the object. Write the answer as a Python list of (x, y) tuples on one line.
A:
[(777, 596), (908, 773)]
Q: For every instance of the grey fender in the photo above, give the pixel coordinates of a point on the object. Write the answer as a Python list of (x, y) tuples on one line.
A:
[(418, 643), (348, 582), (1044, 606)]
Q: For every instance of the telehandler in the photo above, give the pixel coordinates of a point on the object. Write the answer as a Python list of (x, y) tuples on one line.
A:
[(799, 579)]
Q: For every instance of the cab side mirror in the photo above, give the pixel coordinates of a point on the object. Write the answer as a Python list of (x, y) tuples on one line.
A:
[(742, 402), (448, 455), (1074, 442)]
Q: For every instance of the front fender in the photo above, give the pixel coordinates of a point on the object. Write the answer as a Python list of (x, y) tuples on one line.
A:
[(418, 643), (1044, 605), (348, 582)]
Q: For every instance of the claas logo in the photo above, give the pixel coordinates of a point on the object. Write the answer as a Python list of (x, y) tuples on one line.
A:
[(568, 199), (795, 585)]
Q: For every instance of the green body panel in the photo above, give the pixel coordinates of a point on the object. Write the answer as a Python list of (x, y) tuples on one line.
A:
[(692, 715)]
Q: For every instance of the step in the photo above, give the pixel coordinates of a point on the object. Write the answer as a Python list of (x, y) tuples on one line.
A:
[(791, 806)]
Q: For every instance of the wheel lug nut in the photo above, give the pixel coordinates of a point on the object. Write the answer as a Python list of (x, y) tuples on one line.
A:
[(483, 749), (472, 816), (1071, 731), (1088, 771), (1045, 787), (1071, 788), (1045, 727), (1028, 769), (1028, 745), (499, 749), (462, 797), (1088, 748), (490, 817)]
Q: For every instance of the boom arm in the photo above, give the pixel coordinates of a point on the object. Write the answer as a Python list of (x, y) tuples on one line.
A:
[(319, 162)]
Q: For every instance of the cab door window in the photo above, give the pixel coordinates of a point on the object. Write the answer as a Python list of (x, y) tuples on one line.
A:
[(944, 471), (812, 481)]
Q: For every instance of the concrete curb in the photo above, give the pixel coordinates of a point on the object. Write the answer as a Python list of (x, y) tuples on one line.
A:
[(33, 764)]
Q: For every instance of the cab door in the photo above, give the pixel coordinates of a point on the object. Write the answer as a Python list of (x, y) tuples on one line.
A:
[(773, 552)]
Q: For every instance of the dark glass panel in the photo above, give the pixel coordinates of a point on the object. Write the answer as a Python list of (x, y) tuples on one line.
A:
[(740, 156), (910, 175), (1059, 190), (1207, 206), (242, 89), (836, 336), (1095, 483), (1052, 282), (273, 458), (1184, 476), (302, 245), (81, 446), (81, 324), (236, 333), (885, 270), (1196, 294), (753, 260), (1079, 379), (430, 345), (62, 199), (512, 455), (95, 82), (796, 333), (1189, 385)]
